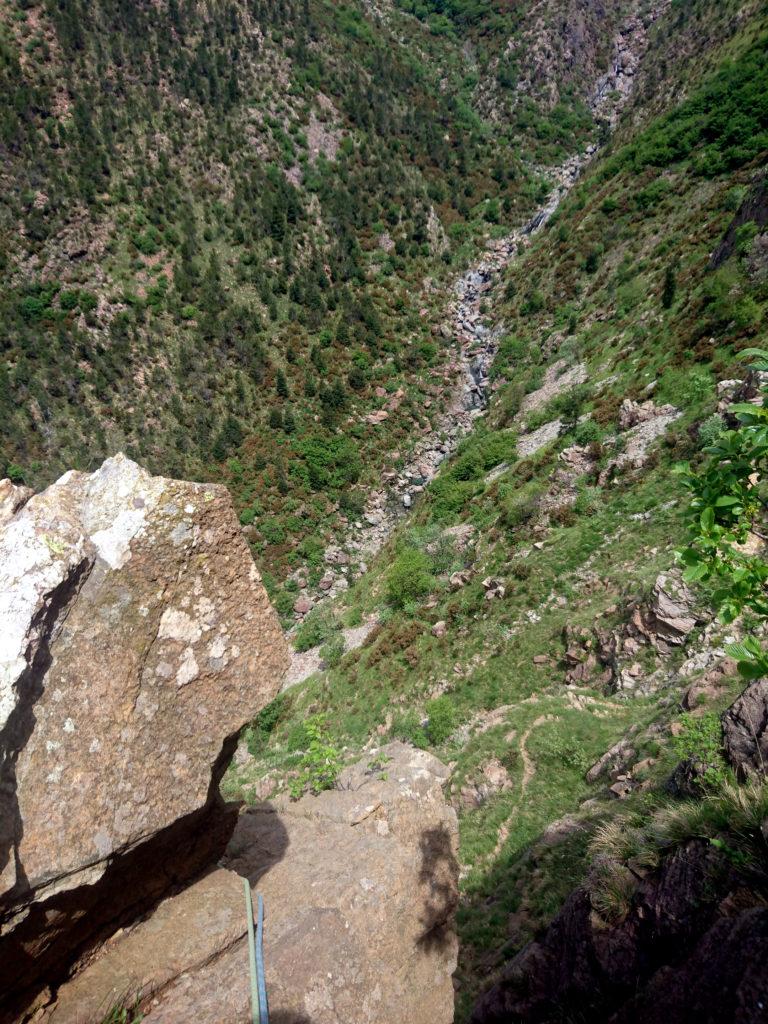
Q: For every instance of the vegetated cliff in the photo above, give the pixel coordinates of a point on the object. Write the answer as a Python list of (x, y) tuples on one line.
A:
[(137, 639)]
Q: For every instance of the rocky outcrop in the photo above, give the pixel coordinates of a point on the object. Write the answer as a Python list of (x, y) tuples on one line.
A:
[(691, 946), (642, 424), (606, 656), (745, 731), (669, 615), (136, 640), (754, 209), (359, 886)]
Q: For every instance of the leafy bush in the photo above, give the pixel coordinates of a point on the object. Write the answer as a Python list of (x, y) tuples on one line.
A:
[(321, 764), (272, 530), (264, 723), (519, 508), (587, 432), (409, 578), (332, 652), (726, 504), (448, 497), (331, 462), (700, 741), (407, 726), (710, 430)]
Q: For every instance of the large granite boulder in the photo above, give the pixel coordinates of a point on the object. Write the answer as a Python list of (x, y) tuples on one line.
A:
[(136, 639), (360, 888)]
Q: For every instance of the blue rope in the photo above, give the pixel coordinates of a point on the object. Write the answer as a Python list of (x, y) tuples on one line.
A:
[(260, 962), (259, 1008), (255, 1014)]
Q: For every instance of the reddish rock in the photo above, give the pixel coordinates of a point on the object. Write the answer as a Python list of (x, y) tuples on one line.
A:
[(693, 946), (12, 498)]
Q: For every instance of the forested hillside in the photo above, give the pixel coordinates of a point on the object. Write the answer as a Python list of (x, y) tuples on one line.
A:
[(225, 230)]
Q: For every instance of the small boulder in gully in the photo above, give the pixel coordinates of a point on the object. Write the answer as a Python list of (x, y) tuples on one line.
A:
[(359, 887), (136, 639)]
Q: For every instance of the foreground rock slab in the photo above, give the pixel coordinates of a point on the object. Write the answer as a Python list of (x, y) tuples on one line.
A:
[(136, 639), (360, 888)]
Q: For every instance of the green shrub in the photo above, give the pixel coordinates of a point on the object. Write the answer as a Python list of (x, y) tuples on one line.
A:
[(409, 578), (407, 726), (710, 430), (69, 299), (519, 508), (260, 729), (321, 764), (316, 628), (272, 531), (701, 741), (332, 652), (587, 432), (588, 501), (441, 719), (448, 497)]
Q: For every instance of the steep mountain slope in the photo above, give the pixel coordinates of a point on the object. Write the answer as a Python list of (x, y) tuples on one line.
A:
[(250, 208), (327, 234), (528, 622)]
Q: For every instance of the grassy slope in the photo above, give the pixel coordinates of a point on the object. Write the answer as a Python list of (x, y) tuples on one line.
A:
[(589, 289)]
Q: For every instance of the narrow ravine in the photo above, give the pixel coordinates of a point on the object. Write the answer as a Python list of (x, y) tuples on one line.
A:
[(475, 344)]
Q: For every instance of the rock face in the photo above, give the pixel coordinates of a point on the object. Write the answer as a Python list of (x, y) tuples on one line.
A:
[(691, 947), (669, 615), (745, 731), (12, 498), (359, 886), (606, 657), (136, 640)]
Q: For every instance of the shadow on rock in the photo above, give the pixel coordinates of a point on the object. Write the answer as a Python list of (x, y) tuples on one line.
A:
[(438, 874), (258, 843)]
